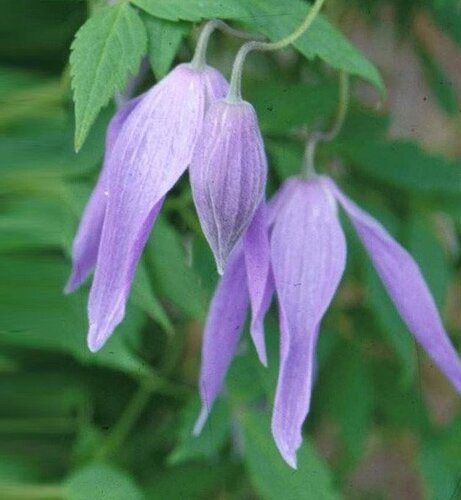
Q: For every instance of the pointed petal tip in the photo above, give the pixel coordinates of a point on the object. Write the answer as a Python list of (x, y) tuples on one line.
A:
[(96, 338), (286, 449), (289, 456), (72, 284), (201, 421), (257, 333)]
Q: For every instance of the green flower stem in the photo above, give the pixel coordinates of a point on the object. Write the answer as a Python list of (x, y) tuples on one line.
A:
[(134, 409), (199, 59), (126, 422), (319, 136), (234, 94)]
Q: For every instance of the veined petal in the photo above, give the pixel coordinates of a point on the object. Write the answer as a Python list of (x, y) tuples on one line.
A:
[(86, 241), (223, 328), (112, 282), (308, 254), (153, 149), (228, 175), (260, 282), (278, 200), (406, 286)]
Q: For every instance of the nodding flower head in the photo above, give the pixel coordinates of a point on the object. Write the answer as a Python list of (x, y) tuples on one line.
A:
[(228, 175), (150, 143), (303, 255)]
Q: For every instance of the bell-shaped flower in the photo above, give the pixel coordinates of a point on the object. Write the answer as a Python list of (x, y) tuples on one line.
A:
[(148, 150), (307, 258), (228, 175), (247, 280)]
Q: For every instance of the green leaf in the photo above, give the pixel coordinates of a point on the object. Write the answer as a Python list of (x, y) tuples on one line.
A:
[(106, 49), (272, 478), (173, 277), (209, 442), (164, 39), (27, 224), (277, 19), (34, 313), (101, 482), (348, 396), (399, 407), (48, 153), (192, 10), (143, 296), (404, 165), (281, 107), (64, 394), (190, 481), (441, 479), (446, 14), (441, 85), (285, 156)]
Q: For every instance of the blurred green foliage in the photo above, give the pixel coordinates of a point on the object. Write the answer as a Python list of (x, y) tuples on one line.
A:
[(117, 424)]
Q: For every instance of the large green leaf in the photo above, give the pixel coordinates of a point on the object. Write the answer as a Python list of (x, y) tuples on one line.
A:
[(348, 380), (404, 164), (281, 107), (441, 479), (210, 440), (106, 49), (164, 37), (277, 19), (34, 313), (440, 83), (192, 10), (101, 482), (197, 481), (173, 277), (143, 296), (28, 224), (273, 479)]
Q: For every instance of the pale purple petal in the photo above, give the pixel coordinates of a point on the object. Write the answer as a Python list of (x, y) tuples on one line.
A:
[(278, 199), (152, 150), (406, 287), (260, 283), (86, 241), (223, 328), (308, 253), (228, 175), (112, 283)]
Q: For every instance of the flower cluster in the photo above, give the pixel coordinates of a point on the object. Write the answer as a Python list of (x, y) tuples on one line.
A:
[(298, 251), (150, 143), (293, 246)]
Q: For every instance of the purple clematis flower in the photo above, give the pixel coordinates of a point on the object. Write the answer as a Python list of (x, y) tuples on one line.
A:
[(307, 254), (228, 174), (150, 143)]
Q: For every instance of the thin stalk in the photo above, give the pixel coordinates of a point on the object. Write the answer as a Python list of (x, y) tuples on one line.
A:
[(234, 94), (199, 59), (319, 136), (126, 422)]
